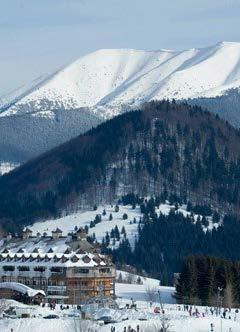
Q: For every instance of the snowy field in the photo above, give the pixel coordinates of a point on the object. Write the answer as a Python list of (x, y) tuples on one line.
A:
[(144, 316)]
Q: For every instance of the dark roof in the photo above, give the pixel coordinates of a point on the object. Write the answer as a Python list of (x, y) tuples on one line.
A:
[(58, 230), (27, 230), (80, 230)]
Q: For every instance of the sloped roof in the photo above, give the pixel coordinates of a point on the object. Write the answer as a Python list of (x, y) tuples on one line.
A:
[(23, 289), (58, 230), (27, 230)]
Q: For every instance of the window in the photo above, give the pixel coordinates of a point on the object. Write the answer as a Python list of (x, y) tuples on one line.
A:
[(43, 282), (57, 269), (23, 268), (39, 269), (8, 279), (105, 270), (8, 268), (77, 270)]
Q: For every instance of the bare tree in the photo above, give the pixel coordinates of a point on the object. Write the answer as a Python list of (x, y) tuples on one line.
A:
[(80, 325), (228, 298), (151, 294), (163, 325), (130, 278)]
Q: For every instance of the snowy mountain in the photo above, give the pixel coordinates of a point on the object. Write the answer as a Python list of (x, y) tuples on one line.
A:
[(100, 85), (106, 80)]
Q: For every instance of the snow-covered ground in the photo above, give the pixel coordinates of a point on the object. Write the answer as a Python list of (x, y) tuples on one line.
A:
[(144, 316), (7, 167), (81, 219)]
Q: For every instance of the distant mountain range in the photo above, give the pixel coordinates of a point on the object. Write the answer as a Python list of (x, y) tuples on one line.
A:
[(103, 84)]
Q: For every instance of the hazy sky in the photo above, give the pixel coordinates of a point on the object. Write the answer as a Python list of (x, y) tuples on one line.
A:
[(39, 36)]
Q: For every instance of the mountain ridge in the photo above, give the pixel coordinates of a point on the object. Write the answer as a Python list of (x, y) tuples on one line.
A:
[(164, 149), (110, 78), (108, 82)]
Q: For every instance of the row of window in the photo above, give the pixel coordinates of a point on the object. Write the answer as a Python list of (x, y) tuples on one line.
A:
[(77, 270), (56, 269), (34, 281)]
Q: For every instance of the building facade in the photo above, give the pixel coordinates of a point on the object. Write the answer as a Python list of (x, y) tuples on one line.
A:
[(68, 277)]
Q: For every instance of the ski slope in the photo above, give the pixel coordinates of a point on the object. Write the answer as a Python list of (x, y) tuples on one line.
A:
[(108, 80), (83, 218)]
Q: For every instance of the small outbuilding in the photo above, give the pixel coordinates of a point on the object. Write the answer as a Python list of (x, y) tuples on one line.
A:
[(27, 233), (22, 293), (56, 234)]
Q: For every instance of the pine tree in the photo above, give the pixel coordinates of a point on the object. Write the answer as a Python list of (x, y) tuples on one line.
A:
[(216, 217), (123, 232), (117, 234), (107, 239), (205, 221), (92, 224)]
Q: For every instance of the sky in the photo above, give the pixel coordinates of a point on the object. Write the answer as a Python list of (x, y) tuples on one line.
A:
[(41, 36)]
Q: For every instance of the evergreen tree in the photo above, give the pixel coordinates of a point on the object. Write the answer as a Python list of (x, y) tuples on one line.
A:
[(117, 233), (123, 232)]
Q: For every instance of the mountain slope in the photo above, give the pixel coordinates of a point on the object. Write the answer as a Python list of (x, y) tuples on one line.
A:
[(116, 77), (105, 83), (165, 149)]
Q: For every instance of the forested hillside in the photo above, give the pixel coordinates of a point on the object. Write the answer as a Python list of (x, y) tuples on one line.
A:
[(209, 281), (165, 240), (226, 105), (163, 149)]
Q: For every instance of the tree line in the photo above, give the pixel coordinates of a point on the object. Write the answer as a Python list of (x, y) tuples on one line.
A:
[(164, 241), (212, 281)]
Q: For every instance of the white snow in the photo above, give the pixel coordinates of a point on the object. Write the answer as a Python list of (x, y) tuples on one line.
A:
[(107, 79), (21, 288), (7, 167), (144, 316), (81, 219), (179, 319)]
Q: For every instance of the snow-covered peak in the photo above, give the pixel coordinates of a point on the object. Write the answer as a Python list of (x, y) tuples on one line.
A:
[(109, 79)]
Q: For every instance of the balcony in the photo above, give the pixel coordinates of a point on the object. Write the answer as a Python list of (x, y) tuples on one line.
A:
[(91, 274)]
